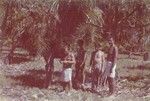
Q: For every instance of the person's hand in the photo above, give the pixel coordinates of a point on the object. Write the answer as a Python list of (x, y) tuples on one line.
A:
[(90, 69), (81, 65), (61, 61), (65, 61)]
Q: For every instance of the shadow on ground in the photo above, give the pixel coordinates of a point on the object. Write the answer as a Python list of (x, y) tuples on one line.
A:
[(18, 60), (36, 78), (31, 78)]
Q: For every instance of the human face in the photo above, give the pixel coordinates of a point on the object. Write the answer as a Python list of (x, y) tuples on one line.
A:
[(66, 49), (111, 42), (97, 48)]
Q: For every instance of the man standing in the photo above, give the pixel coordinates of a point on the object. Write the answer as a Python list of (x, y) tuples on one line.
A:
[(68, 61), (111, 65), (80, 64), (97, 66)]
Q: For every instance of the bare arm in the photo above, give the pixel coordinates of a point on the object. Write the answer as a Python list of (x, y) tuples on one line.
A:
[(71, 61), (91, 60), (115, 55), (103, 62)]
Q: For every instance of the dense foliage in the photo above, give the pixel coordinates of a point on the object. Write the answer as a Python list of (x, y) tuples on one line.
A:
[(38, 25)]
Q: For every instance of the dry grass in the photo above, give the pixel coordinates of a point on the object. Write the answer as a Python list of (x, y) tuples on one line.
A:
[(23, 82)]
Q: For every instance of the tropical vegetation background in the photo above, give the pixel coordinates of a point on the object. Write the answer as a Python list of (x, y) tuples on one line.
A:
[(29, 29), (38, 25)]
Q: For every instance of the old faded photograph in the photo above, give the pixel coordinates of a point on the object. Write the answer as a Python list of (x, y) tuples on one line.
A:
[(74, 50)]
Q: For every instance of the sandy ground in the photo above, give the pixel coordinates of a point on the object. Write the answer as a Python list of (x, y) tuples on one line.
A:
[(24, 82)]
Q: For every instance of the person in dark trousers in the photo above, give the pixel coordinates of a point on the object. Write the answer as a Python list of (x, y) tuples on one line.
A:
[(80, 64), (97, 66)]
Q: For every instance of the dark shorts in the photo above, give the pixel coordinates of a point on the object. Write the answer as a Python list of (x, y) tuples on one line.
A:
[(96, 72)]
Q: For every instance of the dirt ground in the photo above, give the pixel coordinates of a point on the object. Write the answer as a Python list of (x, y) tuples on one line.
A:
[(24, 82)]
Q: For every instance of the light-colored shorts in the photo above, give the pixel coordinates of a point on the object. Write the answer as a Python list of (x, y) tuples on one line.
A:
[(67, 74), (109, 65)]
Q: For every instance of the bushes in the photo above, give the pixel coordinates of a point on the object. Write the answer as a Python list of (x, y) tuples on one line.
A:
[(47, 23)]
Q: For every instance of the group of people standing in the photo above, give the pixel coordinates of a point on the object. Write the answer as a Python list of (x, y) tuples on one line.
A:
[(102, 70)]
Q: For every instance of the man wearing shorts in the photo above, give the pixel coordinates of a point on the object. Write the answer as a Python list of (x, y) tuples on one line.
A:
[(68, 62), (111, 65)]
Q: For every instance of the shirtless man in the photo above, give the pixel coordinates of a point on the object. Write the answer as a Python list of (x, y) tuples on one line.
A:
[(97, 66), (79, 66), (111, 65), (68, 62)]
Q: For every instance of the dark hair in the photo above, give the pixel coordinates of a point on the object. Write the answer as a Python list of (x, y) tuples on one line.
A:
[(80, 42), (97, 45), (111, 39), (109, 35)]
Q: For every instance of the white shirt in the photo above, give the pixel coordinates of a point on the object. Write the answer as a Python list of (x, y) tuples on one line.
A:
[(98, 60)]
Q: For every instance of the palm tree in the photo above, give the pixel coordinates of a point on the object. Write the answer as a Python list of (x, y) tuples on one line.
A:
[(46, 23), (43, 26)]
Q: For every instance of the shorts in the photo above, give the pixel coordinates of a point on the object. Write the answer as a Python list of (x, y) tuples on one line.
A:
[(67, 74), (109, 66)]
